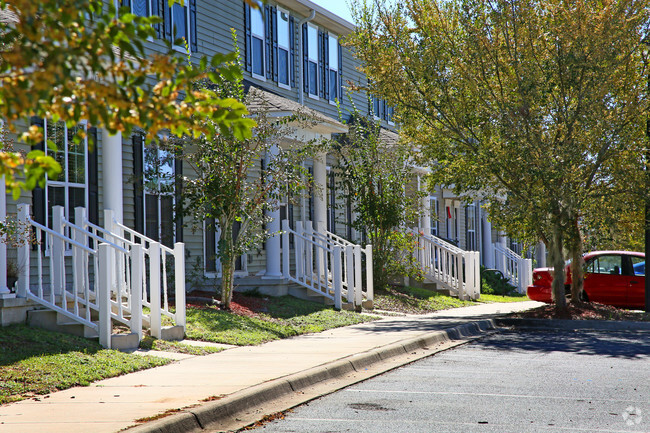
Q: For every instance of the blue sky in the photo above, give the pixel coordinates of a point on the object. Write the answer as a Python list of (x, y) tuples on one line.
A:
[(339, 7)]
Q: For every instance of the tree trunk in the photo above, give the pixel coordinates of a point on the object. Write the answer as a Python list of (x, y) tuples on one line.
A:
[(557, 259), (577, 264), (227, 258)]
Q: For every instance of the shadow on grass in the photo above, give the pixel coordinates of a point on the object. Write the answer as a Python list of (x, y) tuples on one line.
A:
[(20, 342)]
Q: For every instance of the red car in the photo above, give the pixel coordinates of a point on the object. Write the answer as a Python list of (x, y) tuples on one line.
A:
[(611, 277)]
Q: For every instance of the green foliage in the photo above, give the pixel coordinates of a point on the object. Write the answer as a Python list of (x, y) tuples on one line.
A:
[(413, 300), (494, 283), (34, 361), (285, 317), (76, 60), (538, 105), (151, 343), (227, 192), (373, 172)]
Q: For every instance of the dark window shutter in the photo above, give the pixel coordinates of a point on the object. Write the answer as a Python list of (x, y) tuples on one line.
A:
[(305, 59), (292, 47), (340, 90), (321, 63), (167, 21), (178, 192), (93, 177), (326, 66), (138, 184), (39, 207), (194, 44), (267, 37), (274, 40), (248, 47), (155, 11), (384, 109)]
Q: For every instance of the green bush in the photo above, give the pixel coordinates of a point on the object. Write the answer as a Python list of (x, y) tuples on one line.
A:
[(493, 282)]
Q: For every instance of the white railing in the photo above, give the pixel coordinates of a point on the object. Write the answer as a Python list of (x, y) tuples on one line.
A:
[(515, 268), (451, 267), (327, 264), (83, 270)]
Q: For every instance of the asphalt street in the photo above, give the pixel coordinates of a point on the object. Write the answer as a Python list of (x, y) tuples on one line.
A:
[(514, 381)]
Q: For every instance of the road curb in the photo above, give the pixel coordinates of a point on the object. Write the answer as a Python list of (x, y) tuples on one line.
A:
[(227, 409), (592, 325)]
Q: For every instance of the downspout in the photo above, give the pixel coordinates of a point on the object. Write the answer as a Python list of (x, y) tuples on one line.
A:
[(301, 90)]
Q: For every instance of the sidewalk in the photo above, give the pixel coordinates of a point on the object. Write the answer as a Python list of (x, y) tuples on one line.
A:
[(114, 404)]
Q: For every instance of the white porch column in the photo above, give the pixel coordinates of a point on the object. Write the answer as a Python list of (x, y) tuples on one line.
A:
[(540, 255), (273, 251), (320, 192), (112, 167), (425, 218), (4, 290), (488, 249)]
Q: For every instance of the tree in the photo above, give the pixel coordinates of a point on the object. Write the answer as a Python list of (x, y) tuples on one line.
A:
[(375, 171), (226, 188), (80, 59), (538, 105)]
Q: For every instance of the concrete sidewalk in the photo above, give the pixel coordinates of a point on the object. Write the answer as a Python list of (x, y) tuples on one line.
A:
[(252, 375)]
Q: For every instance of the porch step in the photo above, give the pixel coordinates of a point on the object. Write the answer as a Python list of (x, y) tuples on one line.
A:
[(53, 321)]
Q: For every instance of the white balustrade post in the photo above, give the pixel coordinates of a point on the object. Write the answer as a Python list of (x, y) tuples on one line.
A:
[(477, 275), (179, 278), (58, 258), (104, 294), (137, 262), (309, 253), (349, 270), (23, 254), (320, 203), (79, 256), (4, 290), (370, 284), (336, 276), (299, 246), (286, 250), (358, 284), (154, 289), (112, 168)]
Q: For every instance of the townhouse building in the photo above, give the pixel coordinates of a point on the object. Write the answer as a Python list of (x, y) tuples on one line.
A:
[(292, 53)]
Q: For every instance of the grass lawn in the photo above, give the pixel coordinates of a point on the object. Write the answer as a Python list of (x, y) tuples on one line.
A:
[(259, 320), (34, 362), (498, 298)]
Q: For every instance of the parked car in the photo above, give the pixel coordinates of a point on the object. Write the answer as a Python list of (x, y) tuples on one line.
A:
[(611, 277)]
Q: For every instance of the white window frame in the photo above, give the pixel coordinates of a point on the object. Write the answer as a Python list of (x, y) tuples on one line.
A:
[(65, 184), (262, 38), (332, 37), (286, 47), (217, 273), (311, 59)]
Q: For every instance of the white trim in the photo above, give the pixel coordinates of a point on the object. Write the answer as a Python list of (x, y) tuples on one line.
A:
[(314, 60)]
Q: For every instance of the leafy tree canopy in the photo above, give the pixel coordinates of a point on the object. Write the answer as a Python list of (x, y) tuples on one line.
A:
[(76, 60)]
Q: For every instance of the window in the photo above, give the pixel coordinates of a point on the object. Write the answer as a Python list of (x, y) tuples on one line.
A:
[(159, 194), (333, 69), (211, 245), (180, 22), (69, 189), (285, 37), (605, 265), (141, 7), (470, 224), (377, 105), (312, 60), (433, 215), (638, 266), (390, 111), (257, 42)]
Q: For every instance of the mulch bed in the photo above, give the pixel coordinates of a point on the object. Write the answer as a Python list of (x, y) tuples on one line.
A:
[(241, 304), (584, 311)]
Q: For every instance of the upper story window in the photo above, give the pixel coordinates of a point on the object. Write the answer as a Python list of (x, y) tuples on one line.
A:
[(258, 35), (284, 26), (178, 21), (380, 109), (322, 63), (334, 68), (311, 47)]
